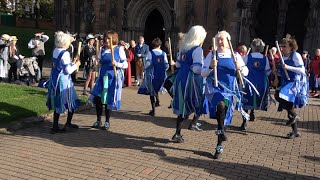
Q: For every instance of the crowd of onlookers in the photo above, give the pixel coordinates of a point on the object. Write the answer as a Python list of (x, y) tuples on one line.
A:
[(14, 67)]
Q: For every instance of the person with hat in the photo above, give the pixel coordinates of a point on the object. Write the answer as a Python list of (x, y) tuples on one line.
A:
[(37, 46), (90, 62), (4, 44), (14, 56)]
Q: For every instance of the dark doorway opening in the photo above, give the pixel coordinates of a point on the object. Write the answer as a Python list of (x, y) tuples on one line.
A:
[(267, 20), (154, 27), (295, 23)]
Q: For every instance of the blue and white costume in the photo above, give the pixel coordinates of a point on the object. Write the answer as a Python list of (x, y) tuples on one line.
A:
[(61, 93), (107, 86), (296, 89), (259, 70), (188, 95), (227, 84), (155, 72)]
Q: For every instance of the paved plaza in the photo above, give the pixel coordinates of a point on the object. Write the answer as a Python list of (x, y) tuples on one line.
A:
[(139, 147)]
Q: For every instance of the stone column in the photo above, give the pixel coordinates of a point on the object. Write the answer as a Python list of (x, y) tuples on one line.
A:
[(283, 8), (245, 21), (311, 40)]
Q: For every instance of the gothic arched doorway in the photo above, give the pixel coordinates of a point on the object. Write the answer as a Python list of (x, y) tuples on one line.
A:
[(267, 19), (154, 27), (296, 17)]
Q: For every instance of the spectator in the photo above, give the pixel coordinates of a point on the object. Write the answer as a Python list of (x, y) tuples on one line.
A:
[(14, 56), (140, 52), (210, 49), (133, 62), (314, 81), (37, 46), (4, 44), (130, 57), (90, 63)]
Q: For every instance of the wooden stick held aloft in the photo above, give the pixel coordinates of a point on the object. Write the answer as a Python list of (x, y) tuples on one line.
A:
[(239, 75), (170, 56), (112, 57), (282, 61), (214, 58), (266, 51)]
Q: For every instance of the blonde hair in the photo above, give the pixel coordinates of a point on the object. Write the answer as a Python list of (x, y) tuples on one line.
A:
[(194, 37), (62, 39), (224, 34)]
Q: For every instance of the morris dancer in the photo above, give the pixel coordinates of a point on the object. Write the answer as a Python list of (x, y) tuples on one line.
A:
[(220, 99), (259, 70), (61, 93), (108, 88), (155, 73), (188, 87), (293, 91)]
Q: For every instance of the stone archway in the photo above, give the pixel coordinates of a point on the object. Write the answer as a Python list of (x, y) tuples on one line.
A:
[(138, 11)]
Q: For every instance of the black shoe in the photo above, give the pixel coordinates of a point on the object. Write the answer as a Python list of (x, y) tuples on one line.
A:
[(177, 138), (292, 135), (96, 125), (57, 130), (243, 127), (217, 155), (251, 116), (152, 113), (71, 126), (293, 120), (157, 104), (194, 128)]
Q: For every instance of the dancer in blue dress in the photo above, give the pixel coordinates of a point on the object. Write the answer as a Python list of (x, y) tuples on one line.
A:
[(221, 99), (188, 95), (155, 73), (108, 88), (293, 92), (259, 70), (61, 93)]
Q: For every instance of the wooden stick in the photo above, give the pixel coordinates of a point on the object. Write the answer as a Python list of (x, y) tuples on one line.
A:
[(282, 61), (248, 50), (78, 53), (266, 50), (170, 56), (112, 57), (214, 58), (97, 51), (235, 63), (274, 69)]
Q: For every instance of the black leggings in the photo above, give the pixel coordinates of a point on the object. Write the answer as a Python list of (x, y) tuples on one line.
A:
[(289, 106), (56, 117), (153, 100), (221, 115), (167, 85), (99, 104)]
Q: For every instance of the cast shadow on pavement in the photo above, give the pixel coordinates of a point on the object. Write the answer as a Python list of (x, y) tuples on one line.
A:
[(88, 137), (167, 122), (311, 125), (231, 170)]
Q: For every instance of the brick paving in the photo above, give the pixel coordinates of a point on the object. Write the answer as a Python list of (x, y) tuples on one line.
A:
[(138, 147)]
